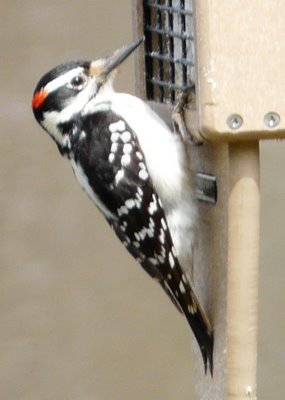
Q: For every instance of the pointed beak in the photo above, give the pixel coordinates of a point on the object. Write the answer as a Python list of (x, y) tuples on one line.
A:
[(102, 68)]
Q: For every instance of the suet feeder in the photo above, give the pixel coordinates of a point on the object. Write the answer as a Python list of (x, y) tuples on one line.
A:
[(232, 54)]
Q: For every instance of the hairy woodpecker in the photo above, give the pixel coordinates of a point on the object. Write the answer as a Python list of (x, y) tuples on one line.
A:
[(135, 170)]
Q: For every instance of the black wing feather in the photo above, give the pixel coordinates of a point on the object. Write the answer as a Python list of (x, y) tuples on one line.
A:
[(113, 161)]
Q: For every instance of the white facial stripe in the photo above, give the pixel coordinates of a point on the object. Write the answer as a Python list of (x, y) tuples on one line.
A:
[(72, 106), (63, 79), (76, 104)]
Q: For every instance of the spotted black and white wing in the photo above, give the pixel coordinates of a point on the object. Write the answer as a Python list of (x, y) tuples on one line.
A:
[(117, 180)]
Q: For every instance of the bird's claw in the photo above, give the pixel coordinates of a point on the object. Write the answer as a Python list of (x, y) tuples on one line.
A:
[(184, 100)]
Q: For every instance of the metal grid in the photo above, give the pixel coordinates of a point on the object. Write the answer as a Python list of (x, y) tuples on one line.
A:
[(169, 48)]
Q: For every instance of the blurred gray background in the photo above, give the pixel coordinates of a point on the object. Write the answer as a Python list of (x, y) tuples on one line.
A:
[(79, 320)]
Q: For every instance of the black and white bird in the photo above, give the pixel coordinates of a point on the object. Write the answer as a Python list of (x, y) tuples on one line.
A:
[(135, 170)]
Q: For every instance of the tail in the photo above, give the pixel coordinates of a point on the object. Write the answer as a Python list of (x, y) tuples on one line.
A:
[(207, 353), (187, 302), (201, 327)]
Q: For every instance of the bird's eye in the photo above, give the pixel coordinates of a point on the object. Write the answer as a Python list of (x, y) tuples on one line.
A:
[(78, 82)]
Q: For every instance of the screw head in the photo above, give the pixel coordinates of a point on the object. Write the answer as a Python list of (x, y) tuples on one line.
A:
[(234, 121), (271, 119)]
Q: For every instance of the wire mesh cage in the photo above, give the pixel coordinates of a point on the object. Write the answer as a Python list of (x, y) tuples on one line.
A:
[(169, 48)]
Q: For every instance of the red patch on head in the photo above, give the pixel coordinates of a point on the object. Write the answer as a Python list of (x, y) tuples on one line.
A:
[(39, 98)]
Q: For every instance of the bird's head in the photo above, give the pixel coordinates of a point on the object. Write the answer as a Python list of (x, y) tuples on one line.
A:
[(61, 94)]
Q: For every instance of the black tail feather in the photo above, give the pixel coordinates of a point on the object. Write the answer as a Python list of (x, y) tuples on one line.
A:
[(207, 354)]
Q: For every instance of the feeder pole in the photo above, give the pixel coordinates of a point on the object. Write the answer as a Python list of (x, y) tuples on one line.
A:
[(242, 282)]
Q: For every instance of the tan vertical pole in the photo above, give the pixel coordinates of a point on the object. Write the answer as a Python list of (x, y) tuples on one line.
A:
[(243, 255)]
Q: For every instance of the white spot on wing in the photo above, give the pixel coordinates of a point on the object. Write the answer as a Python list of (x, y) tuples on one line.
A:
[(171, 260), (126, 136), (153, 260), (146, 231), (82, 135), (152, 206), (119, 176), (125, 160), (114, 137), (163, 224), (130, 203), (151, 224), (138, 196), (111, 157), (143, 174), (192, 308), (127, 149), (114, 147), (139, 155), (182, 287), (138, 203), (119, 126), (162, 236), (122, 210)]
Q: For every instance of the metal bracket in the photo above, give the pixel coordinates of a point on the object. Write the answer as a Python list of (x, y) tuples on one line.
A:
[(206, 188)]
